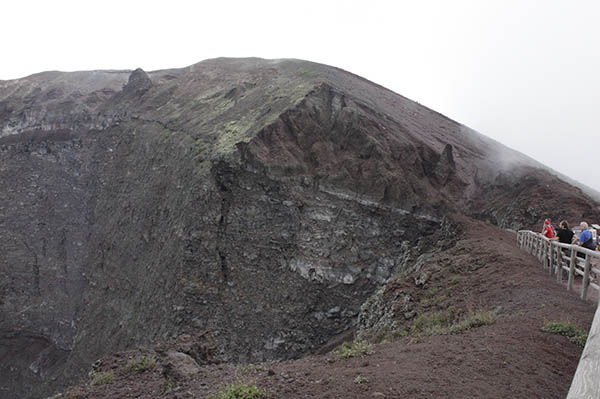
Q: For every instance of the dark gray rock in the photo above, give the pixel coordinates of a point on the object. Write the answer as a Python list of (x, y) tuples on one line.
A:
[(179, 366), (243, 198)]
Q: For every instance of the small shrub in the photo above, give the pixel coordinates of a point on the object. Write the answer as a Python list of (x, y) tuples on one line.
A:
[(361, 380), (435, 300), (382, 335), (393, 335), (569, 330), (250, 369), (473, 320), (170, 385), (433, 323), (240, 391), (450, 322), (354, 349), (417, 339), (103, 377), (140, 365)]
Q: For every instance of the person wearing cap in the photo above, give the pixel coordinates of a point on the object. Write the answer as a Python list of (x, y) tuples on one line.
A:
[(548, 231)]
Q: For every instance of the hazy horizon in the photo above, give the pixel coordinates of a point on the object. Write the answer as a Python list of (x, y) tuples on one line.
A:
[(521, 72)]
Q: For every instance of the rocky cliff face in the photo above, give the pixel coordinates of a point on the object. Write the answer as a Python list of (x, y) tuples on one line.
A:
[(257, 202)]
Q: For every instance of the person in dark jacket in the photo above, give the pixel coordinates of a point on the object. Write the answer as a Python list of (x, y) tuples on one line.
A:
[(564, 235)]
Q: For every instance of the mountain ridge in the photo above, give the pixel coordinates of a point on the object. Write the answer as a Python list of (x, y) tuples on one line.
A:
[(322, 78), (260, 202)]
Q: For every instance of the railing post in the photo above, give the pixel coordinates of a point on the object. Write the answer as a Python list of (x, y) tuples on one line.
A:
[(586, 277), (519, 237), (572, 268), (551, 258), (559, 263), (531, 244), (541, 249)]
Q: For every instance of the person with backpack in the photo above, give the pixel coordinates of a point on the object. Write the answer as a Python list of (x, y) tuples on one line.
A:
[(586, 238)]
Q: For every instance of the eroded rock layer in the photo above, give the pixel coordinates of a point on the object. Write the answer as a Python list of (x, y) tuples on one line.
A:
[(254, 204)]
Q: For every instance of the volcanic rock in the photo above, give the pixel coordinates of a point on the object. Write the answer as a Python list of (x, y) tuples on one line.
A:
[(244, 197)]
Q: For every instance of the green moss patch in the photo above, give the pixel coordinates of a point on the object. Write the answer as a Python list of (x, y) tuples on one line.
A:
[(357, 348), (568, 329), (241, 391), (450, 322), (102, 378), (136, 366)]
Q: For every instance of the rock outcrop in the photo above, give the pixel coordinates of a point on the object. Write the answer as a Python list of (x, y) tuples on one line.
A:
[(262, 201)]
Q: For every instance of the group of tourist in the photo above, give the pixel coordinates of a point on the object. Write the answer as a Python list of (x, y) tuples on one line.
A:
[(566, 236)]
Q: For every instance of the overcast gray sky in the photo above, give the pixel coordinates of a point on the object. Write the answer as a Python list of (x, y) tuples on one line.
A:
[(526, 73)]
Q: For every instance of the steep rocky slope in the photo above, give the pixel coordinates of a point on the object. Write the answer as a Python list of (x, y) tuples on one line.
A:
[(253, 205), (509, 357)]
